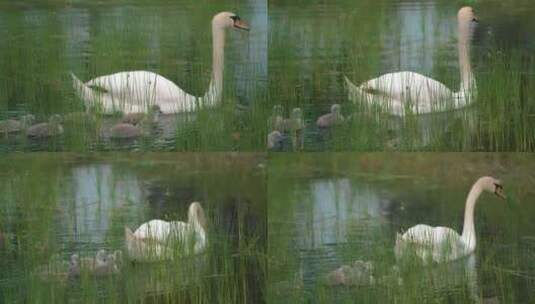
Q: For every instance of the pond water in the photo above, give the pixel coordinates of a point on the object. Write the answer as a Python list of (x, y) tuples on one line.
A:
[(314, 44), (329, 210), (53, 206)]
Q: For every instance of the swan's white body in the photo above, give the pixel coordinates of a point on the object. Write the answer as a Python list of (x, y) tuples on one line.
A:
[(137, 91), (158, 239), (442, 244), (409, 92)]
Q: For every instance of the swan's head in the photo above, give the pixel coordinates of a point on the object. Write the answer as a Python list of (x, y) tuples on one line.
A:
[(75, 258), (229, 20), (102, 257), (55, 119), (277, 110), (297, 113), (493, 185), (335, 108), (196, 215), (466, 15), (27, 120), (116, 256), (115, 260), (274, 140)]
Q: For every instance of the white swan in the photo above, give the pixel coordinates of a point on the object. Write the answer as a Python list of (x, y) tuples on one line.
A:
[(442, 244), (158, 239), (136, 91), (406, 91)]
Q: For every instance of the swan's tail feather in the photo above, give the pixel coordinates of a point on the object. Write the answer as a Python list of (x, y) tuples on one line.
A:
[(354, 92), (83, 92), (130, 243), (128, 234), (398, 250)]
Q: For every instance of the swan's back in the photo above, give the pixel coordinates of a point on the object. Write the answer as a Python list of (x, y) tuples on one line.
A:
[(161, 230), (431, 243), (426, 234), (424, 94), (154, 229)]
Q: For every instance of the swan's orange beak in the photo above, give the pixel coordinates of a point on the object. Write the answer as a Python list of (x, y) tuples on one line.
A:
[(241, 25)]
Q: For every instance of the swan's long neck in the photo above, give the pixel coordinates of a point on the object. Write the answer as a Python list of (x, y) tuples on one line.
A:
[(200, 234), (467, 79), (213, 95), (469, 230)]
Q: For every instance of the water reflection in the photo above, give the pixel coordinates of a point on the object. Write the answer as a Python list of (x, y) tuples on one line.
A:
[(98, 192), (416, 35), (335, 207)]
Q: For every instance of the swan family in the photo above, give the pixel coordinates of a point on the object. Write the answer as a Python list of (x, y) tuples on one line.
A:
[(427, 244)]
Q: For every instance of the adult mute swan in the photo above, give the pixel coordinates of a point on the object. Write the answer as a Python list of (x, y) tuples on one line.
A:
[(442, 244), (409, 91), (136, 91), (158, 239)]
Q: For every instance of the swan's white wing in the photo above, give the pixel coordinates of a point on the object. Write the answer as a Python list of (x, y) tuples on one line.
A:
[(436, 243), (426, 234), (144, 88), (157, 230), (180, 230), (409, 90)]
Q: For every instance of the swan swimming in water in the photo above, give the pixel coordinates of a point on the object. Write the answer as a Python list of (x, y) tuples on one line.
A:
[(402, 91), (359, 273), (10, 126), (331, 119), (443, 244), (136, 91), (156, 239), (100, 265), (46, 129)]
